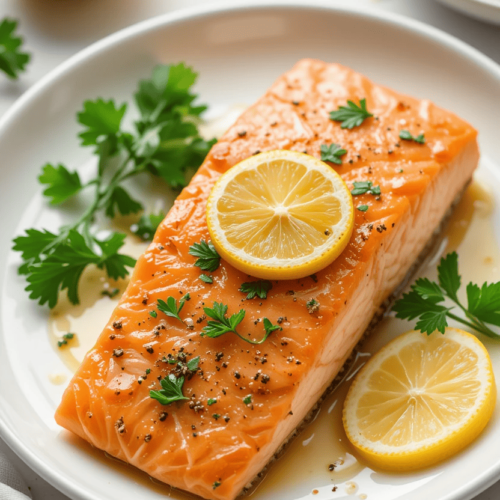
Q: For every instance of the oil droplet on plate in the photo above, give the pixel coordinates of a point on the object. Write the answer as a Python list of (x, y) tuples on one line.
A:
[(351, 488), (57, 378)]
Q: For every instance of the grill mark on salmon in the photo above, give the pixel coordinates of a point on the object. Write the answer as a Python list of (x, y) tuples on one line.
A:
[(418, 183)]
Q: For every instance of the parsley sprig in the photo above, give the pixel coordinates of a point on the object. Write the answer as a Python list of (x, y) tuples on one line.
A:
[(170, 307), (365, 187), (222, 324), (208, 258), (406, 136), (256, 289), (332, 153), (147, 225), (164, 142), (351, 115), (425, 299), (12, 60)]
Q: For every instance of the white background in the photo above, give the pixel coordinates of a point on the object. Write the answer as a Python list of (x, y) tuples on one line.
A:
[(56, 29)]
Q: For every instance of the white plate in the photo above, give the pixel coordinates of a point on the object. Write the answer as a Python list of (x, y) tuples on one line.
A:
[(239, 52), (485, 10)]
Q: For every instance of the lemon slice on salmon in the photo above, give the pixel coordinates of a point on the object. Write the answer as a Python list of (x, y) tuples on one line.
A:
[(280, 215), (420, 399)]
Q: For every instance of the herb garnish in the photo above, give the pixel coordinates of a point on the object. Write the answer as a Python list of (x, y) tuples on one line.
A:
[(147, 225), (172, 386), (222, 324), (170, 307), (216, 484), (164, 142), (365, 187), (208, 258), (64, 341), (111, 293), (171, 390), (206, 279), (351, 115), (424, 301), (211, 401), (256, 289), (12, 60), (248, 399), (406, 136), (363, 208), (332, 153)]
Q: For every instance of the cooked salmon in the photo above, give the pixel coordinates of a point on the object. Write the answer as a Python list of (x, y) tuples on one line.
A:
[(216, 450)]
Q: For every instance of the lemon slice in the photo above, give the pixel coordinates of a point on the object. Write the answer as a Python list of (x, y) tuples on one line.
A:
[(420, 399), (280, 215)]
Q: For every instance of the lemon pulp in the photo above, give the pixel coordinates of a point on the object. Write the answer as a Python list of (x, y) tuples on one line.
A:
[(280, 215), (420, 399)]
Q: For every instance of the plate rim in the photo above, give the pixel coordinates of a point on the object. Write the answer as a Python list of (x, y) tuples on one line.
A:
[(12, 439)]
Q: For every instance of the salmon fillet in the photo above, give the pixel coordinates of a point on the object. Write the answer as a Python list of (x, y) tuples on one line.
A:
[(108, 405)]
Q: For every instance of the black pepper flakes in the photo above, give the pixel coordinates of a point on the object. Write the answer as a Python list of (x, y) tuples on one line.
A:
[(243, 133), (163, 416), (117, 325), (147, 438), (117, 352)]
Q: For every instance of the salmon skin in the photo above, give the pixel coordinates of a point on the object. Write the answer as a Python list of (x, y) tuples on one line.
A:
[(216, 450)]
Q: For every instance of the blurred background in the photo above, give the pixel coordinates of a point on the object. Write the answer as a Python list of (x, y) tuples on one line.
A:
[(54, 30)]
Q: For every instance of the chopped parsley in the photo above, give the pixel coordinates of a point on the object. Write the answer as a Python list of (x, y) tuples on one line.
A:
[(351, 115), (64, 341), (363, 208), (222, 324), (206, 279), (425, 302), (154, 314), (256, 289), (208, 258), (216, 484), (112, 293), (171, 390), (170, 307), (216, 416), (248, 399), (332, 153), (211, 401), (365, 187), (406, 136)]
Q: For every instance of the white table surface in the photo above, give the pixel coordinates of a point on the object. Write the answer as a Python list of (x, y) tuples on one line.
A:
[(56, 29)]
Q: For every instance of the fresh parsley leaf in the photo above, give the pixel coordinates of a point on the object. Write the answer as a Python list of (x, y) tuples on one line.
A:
[(193, 364), (222, 324), (247, 399), (32, 247), (448, 276), (413, 305), (12, 60), (206, 279), (208, 258), (121, 201), (111, 293), (147, 225), (424, 301), (211, 401), (269, 328), (256, 289), (61, 270), (351, 115), (170, 307), (428, 290), (406, 136), (101, 119), (216, 416), (332, 153), (153, 314), (484, 302), (216, 484), (171, 390), (365, 187), (62, 184), (363, 208)]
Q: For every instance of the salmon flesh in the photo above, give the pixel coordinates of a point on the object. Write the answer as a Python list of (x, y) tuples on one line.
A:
[(215, 450)]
